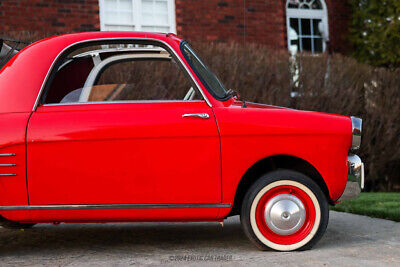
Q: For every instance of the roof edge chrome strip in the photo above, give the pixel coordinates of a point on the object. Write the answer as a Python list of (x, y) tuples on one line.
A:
[(119, 206), (113, 39)]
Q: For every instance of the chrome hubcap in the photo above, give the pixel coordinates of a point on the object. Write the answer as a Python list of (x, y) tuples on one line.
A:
[(285, 214)]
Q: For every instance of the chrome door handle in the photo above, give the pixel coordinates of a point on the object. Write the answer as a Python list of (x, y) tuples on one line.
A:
[(197, 115)]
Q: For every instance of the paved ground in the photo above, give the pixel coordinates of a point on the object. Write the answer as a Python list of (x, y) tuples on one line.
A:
[(349, 241)]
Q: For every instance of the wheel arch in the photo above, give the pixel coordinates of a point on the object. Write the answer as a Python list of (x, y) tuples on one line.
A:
[(272, 163)]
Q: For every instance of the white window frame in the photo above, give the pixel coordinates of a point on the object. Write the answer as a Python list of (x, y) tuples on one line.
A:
[(137, 16), (296, 13)]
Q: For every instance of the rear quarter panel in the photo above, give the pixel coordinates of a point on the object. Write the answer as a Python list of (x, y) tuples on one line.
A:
[(13, 190)]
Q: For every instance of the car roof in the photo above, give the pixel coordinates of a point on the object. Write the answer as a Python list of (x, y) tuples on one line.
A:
[(22, 78)]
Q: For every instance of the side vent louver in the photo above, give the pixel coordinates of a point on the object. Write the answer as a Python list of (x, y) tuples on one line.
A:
[(3, 166)]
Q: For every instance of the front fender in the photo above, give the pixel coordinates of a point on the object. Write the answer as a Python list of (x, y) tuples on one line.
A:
[(250, 135)]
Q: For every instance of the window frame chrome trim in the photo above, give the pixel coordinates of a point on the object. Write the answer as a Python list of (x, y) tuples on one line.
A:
[(118, 206), (36, 104), (123, 102)]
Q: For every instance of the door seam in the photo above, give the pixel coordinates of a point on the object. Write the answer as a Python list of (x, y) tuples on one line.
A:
[(26, 157), (220, 151)]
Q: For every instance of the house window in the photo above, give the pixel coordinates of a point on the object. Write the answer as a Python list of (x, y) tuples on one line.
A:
[(307, 25), (137, 15)]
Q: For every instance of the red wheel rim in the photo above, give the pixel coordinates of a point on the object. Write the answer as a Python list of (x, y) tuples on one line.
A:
[(301, 233)]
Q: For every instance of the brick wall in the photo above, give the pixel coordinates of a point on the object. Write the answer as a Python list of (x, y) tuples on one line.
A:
[(339, 14), (252, 21), (257, 21), (49, 16)]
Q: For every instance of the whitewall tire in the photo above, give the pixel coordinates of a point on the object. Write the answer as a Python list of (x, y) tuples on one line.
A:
[(284, 211)]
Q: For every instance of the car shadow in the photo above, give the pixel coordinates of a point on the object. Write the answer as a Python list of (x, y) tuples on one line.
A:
[(166, 237)]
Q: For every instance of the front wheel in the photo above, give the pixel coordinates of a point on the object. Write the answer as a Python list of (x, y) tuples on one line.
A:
[(284, 211)]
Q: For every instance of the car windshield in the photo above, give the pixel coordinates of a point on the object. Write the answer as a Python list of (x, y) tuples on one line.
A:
[(209, 79)]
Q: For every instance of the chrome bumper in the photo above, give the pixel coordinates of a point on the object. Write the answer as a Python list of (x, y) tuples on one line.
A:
[(355, 179)]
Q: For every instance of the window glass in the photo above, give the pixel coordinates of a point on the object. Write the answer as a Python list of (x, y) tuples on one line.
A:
[(140, 80), (294, 23), (318, 45), (118, 12), (307, 25), (210, 80), (308, 35), (120, 72), (138, 15)]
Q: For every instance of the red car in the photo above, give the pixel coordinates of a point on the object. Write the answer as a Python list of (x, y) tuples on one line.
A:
[(129, 126)]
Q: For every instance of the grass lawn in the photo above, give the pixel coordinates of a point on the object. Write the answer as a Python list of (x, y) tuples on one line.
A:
[(378, 205)]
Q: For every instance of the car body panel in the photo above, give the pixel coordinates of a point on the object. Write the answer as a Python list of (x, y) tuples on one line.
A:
[(123, 153), (12, 159), (12, 141), (320, 139)]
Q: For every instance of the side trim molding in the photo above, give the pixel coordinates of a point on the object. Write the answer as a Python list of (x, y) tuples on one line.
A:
[(118, 206)]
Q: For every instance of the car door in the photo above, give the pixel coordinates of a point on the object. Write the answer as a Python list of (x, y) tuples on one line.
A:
[(123, 150), (123, 153)]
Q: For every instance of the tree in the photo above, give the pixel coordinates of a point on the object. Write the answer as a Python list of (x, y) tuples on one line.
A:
[(375, 32)]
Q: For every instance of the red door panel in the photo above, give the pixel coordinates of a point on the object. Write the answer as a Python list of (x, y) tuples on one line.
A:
[(123, 153)]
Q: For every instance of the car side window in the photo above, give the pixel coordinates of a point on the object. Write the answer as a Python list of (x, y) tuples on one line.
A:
[(117, 74)]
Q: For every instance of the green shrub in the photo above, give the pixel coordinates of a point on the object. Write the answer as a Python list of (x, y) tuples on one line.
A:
[(375, 32)]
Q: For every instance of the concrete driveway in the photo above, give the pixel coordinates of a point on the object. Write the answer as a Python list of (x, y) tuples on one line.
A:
[(349, 241)]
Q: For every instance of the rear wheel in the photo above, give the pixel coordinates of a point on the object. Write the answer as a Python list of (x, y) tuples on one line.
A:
[(284, 210)]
